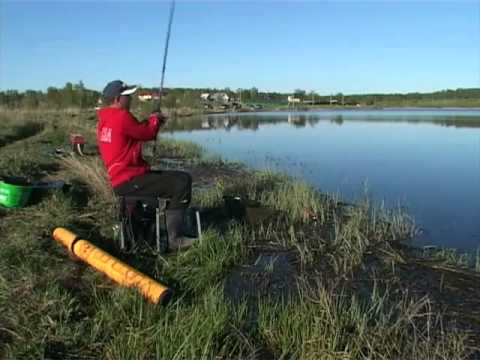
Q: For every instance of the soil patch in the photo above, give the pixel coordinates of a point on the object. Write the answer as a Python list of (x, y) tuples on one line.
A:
[(204, 174), (271, 273)]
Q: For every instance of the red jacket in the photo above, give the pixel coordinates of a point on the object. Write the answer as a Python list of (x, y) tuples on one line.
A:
[(120, 137)]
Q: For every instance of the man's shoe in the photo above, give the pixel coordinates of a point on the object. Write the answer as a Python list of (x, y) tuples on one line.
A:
[(176, 238)]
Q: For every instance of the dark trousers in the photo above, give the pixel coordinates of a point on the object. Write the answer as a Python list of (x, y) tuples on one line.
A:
[(175, 185)]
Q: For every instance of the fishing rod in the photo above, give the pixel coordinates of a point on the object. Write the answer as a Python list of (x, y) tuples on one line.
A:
[(165, 54)]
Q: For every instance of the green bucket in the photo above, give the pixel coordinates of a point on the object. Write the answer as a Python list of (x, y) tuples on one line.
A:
[(14, 193)]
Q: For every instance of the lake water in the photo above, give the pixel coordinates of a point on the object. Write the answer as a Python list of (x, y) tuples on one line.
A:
[(428, 160)]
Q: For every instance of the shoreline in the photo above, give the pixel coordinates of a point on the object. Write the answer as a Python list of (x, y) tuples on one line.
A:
[(326, 108)]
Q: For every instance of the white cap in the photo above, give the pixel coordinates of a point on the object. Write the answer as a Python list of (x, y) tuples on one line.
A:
[(129, 91)]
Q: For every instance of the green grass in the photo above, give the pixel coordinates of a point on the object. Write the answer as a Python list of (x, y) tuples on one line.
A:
[(324, 325), (183, 330), (178, 149), (52, 307), (208, 261)]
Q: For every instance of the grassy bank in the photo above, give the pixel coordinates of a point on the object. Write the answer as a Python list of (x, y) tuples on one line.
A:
[(301, 276)]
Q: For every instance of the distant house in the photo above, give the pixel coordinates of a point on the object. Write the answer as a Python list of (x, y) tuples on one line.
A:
[(205, 96), (145, 96), (221, 97), (148, 96), (293, 100)]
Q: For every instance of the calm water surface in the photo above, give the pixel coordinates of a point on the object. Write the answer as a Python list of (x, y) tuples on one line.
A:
[(429, 160)]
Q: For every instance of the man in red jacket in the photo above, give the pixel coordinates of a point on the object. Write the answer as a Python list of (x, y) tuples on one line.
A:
[(120, 137)]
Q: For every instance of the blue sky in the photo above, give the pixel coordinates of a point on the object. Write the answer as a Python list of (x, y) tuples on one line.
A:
[(325, 46)]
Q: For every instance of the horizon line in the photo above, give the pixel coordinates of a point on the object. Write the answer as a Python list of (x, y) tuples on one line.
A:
[(307, 92)]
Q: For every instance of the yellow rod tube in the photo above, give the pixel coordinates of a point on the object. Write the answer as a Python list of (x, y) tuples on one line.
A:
[(115, 269)]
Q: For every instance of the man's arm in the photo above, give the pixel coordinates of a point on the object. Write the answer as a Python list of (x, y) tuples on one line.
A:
[(140, 131)]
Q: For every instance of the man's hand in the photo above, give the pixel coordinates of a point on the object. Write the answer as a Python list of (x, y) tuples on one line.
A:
[(162, 119)]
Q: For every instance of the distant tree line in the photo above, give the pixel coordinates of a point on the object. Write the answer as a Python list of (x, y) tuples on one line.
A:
[(458, 97), (71, 95), (77, 96)]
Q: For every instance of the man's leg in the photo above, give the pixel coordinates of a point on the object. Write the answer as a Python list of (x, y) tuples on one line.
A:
[(175, 185)]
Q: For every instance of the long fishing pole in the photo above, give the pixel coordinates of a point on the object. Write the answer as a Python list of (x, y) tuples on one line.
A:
[(165, 54)]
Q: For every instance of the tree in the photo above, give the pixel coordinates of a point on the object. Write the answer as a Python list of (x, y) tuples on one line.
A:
[(31, 99), (190, 99), (239, 94), (11, 99), (79, 94), (227, 90), (170, 100), (67, 95), (54, 97), (245, 95), (253, 93), (299, 93)]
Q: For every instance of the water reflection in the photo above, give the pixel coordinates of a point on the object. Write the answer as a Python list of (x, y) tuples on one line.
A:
[(253, 121), (297, 120), (221, 121), (338, 119), (427, 160)]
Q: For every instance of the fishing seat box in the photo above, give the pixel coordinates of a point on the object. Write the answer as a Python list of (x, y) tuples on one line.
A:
[(142, 219)]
